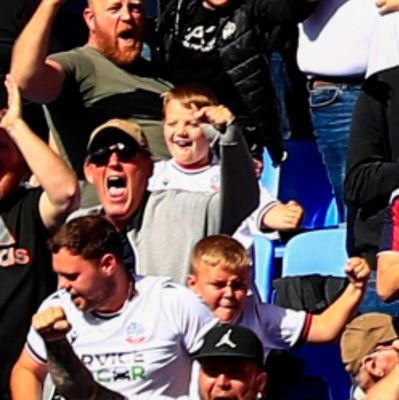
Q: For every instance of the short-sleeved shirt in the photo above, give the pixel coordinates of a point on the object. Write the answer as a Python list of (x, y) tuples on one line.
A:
[(95, 90), (26, 275), (169, 175), (276, 327), (144, 349), (389, 239)]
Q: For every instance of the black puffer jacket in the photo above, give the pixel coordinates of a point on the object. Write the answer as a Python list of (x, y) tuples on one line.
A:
[(242, 45)]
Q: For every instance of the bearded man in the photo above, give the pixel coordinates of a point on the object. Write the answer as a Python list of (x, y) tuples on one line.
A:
[(86, 86)]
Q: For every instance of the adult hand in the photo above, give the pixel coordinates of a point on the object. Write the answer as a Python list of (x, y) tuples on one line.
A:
[(387, 6), (13, 113), (51, 324)]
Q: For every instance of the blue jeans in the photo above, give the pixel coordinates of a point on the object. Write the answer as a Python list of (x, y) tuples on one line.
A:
[(331, 108), (372, 303)]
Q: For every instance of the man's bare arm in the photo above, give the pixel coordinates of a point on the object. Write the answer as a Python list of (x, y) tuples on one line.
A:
[(27, 378), (39, 79), (61, 190), (71, 378), (387, 283)]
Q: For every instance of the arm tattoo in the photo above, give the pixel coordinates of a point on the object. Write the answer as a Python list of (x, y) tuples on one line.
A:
[(70, 376)]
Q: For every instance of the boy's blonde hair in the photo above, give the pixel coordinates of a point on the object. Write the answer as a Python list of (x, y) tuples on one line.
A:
[(188, 94), (220, 250)]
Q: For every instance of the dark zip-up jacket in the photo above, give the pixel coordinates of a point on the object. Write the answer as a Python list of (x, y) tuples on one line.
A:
[(243, 54), (372, 162)]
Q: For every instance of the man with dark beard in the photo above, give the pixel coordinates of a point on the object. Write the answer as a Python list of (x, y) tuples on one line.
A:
[(133, 335), (87, 86)]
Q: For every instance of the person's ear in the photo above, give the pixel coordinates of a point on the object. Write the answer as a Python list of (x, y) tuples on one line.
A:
[(261, 381), (88, 16), (108, 264), (88, 171), (192, 282), (372, 367)]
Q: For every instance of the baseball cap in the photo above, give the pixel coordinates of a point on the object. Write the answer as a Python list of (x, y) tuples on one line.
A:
[(363, 334), (131, 129), (231, 341)]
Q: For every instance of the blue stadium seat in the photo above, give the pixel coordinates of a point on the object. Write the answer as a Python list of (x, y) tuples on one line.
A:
[(303, 178), (270, 176), (320, 252), (263, 266)]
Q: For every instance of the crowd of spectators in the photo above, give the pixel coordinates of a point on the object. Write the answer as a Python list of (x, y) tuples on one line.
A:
[(132, 137)]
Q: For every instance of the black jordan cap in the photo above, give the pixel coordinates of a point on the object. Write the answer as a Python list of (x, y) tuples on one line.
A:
[(231, 341)]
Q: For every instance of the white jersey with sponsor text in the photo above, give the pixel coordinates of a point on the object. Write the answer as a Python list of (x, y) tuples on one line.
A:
[(144, 348)]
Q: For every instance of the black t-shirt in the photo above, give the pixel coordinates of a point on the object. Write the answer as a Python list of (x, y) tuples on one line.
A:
[(26, 276), (196, 58)]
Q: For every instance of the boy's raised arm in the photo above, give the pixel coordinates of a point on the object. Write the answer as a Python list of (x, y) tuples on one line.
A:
[(329, 324)]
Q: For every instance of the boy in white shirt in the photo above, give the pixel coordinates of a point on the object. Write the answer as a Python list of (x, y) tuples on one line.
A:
[(194, 166), (221, 276)]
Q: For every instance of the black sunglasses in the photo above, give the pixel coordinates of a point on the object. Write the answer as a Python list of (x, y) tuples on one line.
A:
[(125, 152)]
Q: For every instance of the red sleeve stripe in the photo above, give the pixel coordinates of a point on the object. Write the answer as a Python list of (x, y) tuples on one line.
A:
[(395, 224), (306, 328)]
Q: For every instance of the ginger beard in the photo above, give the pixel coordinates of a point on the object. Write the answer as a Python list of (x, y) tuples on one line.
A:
[(122, 47)]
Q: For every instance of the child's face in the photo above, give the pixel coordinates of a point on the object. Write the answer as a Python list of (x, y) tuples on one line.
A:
[(223, 292), (183, 136)]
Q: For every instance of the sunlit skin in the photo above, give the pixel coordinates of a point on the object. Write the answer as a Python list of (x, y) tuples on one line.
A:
[(183, 135), (116, 28), (87, 282), (230, 378), (385, 358), (120, 201), (12, 166), (215, 4), (224, 292)]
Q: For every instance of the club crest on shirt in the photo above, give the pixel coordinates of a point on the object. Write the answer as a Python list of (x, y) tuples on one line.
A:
[(215, 182), (135, 333)]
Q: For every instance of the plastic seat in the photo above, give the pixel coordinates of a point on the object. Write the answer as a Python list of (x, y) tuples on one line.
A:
[(303, 178), (270, 176), (263, 266), (321, 252)]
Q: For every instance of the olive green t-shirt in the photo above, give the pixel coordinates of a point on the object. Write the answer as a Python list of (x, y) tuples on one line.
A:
[(95, 90)]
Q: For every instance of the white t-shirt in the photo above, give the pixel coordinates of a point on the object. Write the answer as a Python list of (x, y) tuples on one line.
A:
[(384, 49), (335, 39), (169, 175), (144, 348), (276, 327)]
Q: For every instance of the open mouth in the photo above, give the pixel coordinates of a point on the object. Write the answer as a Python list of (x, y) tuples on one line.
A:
[(116, 185), (183, 142), (75, 298), (127, 36)]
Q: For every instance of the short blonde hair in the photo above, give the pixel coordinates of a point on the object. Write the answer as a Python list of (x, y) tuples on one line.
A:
[(188, 94), (220, 250)]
